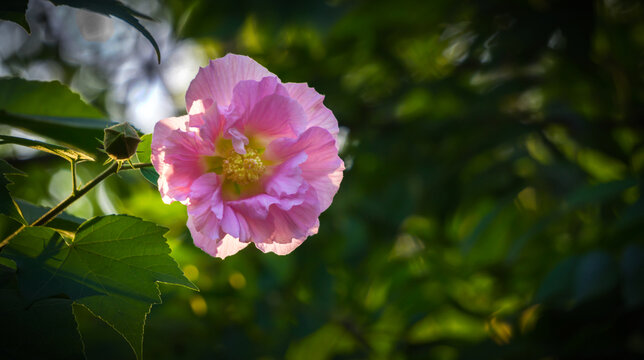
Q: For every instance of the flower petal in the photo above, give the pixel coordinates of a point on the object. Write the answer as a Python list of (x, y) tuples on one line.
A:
[(248, 93), (215, 82), (287, 177), (206, 190), (294, 222), (274, 116), (280, 249), (175, 156), (221, 248), (312, 103), (239, 140), (287, 248), (210, 122), (327, 186), (322, 169), (244, 226), (255, 206)]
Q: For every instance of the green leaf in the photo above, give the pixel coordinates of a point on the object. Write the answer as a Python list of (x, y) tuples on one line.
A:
[(111, 267), (483, 225), (7, 226), (45, 329), (63, 222), (117, 9), (50, 109), (591, 194), (14, 10), (558, 285), (579, 278), (143, 152), (64, 152), (632, 271), (7, 205), (596, 274)]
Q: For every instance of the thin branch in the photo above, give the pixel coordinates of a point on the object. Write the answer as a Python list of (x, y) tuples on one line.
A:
[(136, 166), (56, 210)]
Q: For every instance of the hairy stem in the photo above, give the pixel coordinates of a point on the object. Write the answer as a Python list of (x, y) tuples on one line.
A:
[(76, 194)]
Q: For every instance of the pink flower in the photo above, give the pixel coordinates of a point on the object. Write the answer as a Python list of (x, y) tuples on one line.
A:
[(255, 160)]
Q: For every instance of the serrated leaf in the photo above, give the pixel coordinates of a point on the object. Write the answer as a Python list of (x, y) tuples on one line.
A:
[(52, 110), (117, 9), (14, 10), (62, 151), (63, 222), (143, 153), (7, 205), (111, 267)]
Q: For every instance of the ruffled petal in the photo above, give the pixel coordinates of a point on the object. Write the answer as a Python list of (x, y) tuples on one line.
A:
[(280, 249), (215, 82), (286, 178), (294, 222), (327, 186), (262, 108), (312, 103), (210, 122), (255, 206), (221, 248), (322, 169), (175, 156), (286, 248), (205, 192), (248, 93), (274, 116)]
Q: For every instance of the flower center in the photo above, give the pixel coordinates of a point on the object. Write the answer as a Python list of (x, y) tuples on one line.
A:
[(243, 169)]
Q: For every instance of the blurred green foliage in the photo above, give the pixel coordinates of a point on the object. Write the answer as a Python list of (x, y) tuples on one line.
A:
[(491, 207)]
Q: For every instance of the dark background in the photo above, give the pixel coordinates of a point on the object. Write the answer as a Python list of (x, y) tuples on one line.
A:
[(491, 207)]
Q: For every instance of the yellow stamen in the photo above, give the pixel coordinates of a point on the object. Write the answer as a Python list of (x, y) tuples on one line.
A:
[(243, 169)]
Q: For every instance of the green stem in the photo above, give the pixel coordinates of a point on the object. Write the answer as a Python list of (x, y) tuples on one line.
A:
[(74, 186), (56, 210)]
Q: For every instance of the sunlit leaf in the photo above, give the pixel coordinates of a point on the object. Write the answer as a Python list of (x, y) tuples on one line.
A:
[(62, 151), (63, 222), (498, 330), (7, 205), (51, 110), (14, 10), (111, 267), (117, 9), (143, 154)]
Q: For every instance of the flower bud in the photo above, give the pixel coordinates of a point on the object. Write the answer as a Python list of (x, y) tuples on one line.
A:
[(120, 141)]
